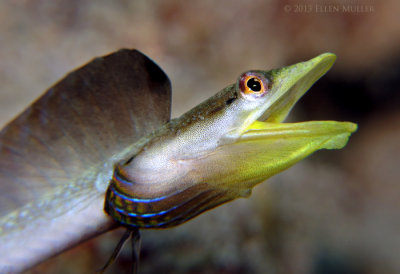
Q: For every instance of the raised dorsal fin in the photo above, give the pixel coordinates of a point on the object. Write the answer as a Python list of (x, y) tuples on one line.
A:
[(57, 156)]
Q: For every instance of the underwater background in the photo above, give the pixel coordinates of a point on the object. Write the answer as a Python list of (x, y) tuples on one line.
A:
[(334, 212)]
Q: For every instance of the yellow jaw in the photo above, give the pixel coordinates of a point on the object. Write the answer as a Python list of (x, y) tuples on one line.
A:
[(266, 146)]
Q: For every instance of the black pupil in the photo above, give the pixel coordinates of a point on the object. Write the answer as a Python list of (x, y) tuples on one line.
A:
[(254, 85)]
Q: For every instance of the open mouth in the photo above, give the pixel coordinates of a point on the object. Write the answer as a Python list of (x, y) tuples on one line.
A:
[(290, 84), (268, 146)]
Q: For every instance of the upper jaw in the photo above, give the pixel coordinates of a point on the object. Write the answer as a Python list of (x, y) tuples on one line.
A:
[(290, 83), (287, 85)]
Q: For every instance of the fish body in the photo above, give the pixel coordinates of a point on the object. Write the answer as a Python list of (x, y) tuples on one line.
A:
[(99, 150)]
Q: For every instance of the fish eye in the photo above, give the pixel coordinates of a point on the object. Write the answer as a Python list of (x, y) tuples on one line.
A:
[(253, 84)]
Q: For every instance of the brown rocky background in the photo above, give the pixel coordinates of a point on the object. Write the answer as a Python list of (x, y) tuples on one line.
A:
[(336, 212)]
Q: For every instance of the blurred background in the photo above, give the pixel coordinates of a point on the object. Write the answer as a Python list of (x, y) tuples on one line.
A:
[(335, 212)]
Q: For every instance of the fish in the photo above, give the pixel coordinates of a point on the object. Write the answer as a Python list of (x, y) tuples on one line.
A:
[(98, 150)]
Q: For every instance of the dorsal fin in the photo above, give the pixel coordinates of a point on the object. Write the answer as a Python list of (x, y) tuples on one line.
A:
[(59, 152)]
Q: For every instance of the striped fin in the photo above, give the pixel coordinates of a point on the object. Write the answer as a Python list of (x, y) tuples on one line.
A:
[(160, 212)]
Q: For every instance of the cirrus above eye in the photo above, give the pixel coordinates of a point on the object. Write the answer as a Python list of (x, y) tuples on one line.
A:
[(253, 84)]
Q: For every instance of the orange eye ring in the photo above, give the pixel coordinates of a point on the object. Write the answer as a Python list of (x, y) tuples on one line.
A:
[(253, 84)]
